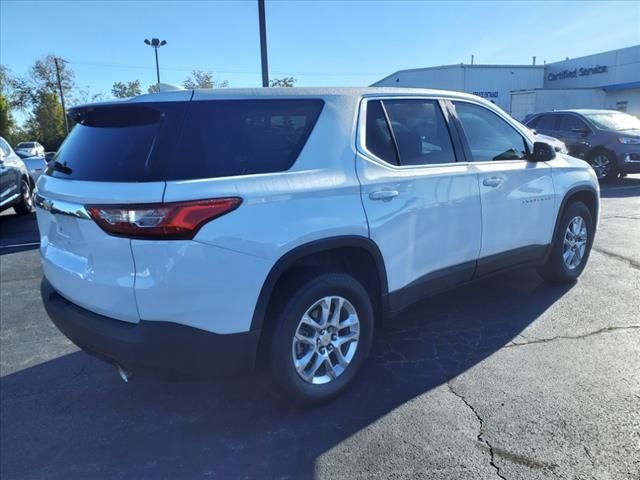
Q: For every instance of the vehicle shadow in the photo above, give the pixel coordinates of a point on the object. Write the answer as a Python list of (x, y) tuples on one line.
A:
[(18, 233), (623, 188), (72, 417)]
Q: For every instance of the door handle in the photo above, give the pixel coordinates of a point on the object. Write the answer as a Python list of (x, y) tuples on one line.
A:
[(492, 182), (385, 195)]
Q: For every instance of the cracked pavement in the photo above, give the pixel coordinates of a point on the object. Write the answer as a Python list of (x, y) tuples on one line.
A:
[(509, 378)]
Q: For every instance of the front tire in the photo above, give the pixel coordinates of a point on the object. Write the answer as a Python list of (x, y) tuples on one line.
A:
[(322, 337), (26, 205), (571, 245), (604, 164)]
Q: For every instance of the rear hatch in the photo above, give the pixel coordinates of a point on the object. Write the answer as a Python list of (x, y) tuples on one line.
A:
[(115, 154)]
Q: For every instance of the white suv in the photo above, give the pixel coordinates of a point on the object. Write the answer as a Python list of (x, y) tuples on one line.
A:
[(218, 230)]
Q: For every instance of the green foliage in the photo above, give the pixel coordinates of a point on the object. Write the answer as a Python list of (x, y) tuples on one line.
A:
[(203, 79), (282, 82), (6, 120), (46, 121), (126, 89), (154, 88)]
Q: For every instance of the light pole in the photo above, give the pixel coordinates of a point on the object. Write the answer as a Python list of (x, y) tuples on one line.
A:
[(156, 43), (263, 43)]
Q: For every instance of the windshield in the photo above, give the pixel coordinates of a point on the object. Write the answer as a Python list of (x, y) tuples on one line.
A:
[(26, 145), (614, 121)]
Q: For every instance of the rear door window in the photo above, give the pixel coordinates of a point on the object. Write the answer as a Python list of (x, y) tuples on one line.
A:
[(224, 138), (547, 122), (420, 131)]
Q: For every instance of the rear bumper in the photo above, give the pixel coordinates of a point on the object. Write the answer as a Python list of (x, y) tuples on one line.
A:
[(151, 344)]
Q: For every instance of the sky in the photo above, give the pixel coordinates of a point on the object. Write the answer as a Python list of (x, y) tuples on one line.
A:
[(330, 43)]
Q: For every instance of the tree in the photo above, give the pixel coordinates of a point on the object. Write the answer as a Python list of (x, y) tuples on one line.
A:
[(203, 79), (153, 88), (6, 119), (282, 82), (44, 75), (84, 96), (46, 121), (126, 89)]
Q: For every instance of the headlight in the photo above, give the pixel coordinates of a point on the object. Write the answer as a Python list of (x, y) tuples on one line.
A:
[(629, 140)]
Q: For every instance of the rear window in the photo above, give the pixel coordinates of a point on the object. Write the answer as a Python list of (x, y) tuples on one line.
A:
[(109, 144), (185, 140), (222, 138)]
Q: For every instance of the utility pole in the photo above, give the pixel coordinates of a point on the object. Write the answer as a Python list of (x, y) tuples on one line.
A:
[(263, 44), (64, 110)]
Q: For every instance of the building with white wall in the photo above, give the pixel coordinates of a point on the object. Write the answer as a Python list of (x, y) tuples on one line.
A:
[(603, 80)]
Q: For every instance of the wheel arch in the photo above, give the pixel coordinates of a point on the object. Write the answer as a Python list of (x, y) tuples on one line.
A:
[(582, 193), (309, 253)]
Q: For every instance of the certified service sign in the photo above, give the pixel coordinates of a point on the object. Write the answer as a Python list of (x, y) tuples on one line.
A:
[(576, 72)]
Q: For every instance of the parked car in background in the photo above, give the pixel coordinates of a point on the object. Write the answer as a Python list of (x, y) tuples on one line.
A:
[(609, 140), (16, 186), (35, 167), (283, 224), (32, 149)]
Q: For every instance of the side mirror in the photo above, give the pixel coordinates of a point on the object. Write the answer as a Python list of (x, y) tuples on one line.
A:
[(49, 156), (543, 152)]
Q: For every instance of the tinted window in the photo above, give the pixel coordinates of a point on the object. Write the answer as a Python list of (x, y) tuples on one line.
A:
[(111, 144), (239, 137), (570, 122), (182, 140), (532, 123), (379, 141), (547, 122), (489, 136), (420, 132)]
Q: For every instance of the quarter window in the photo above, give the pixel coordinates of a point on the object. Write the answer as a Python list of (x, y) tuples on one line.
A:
[(420, 131), (379, 141), (489, 136)]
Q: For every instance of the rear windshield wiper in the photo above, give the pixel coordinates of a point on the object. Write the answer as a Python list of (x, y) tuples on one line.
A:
[(59, 167)]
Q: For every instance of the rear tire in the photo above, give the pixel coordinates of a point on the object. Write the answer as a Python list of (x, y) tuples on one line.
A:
[(571, 246), (26, 205), (322, 336)]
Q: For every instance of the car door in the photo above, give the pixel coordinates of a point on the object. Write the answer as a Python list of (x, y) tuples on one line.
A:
[(516, 194), (423, 207), (9, 174), (575, 133)]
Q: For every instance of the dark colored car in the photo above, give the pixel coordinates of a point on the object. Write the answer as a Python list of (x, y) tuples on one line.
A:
[(609, 140), (16, 186)]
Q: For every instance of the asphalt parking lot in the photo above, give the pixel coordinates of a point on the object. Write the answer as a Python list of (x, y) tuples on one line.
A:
[(510, 378)]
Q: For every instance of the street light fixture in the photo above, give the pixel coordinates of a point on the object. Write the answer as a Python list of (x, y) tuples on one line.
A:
[(156, 43)]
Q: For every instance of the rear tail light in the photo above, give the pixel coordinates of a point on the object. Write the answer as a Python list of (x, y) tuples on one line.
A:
[(163, 221)]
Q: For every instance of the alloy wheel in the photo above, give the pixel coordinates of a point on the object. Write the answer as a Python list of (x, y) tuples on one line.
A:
[(27, 195), (326, 340), (575, 243), (601, 165)]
